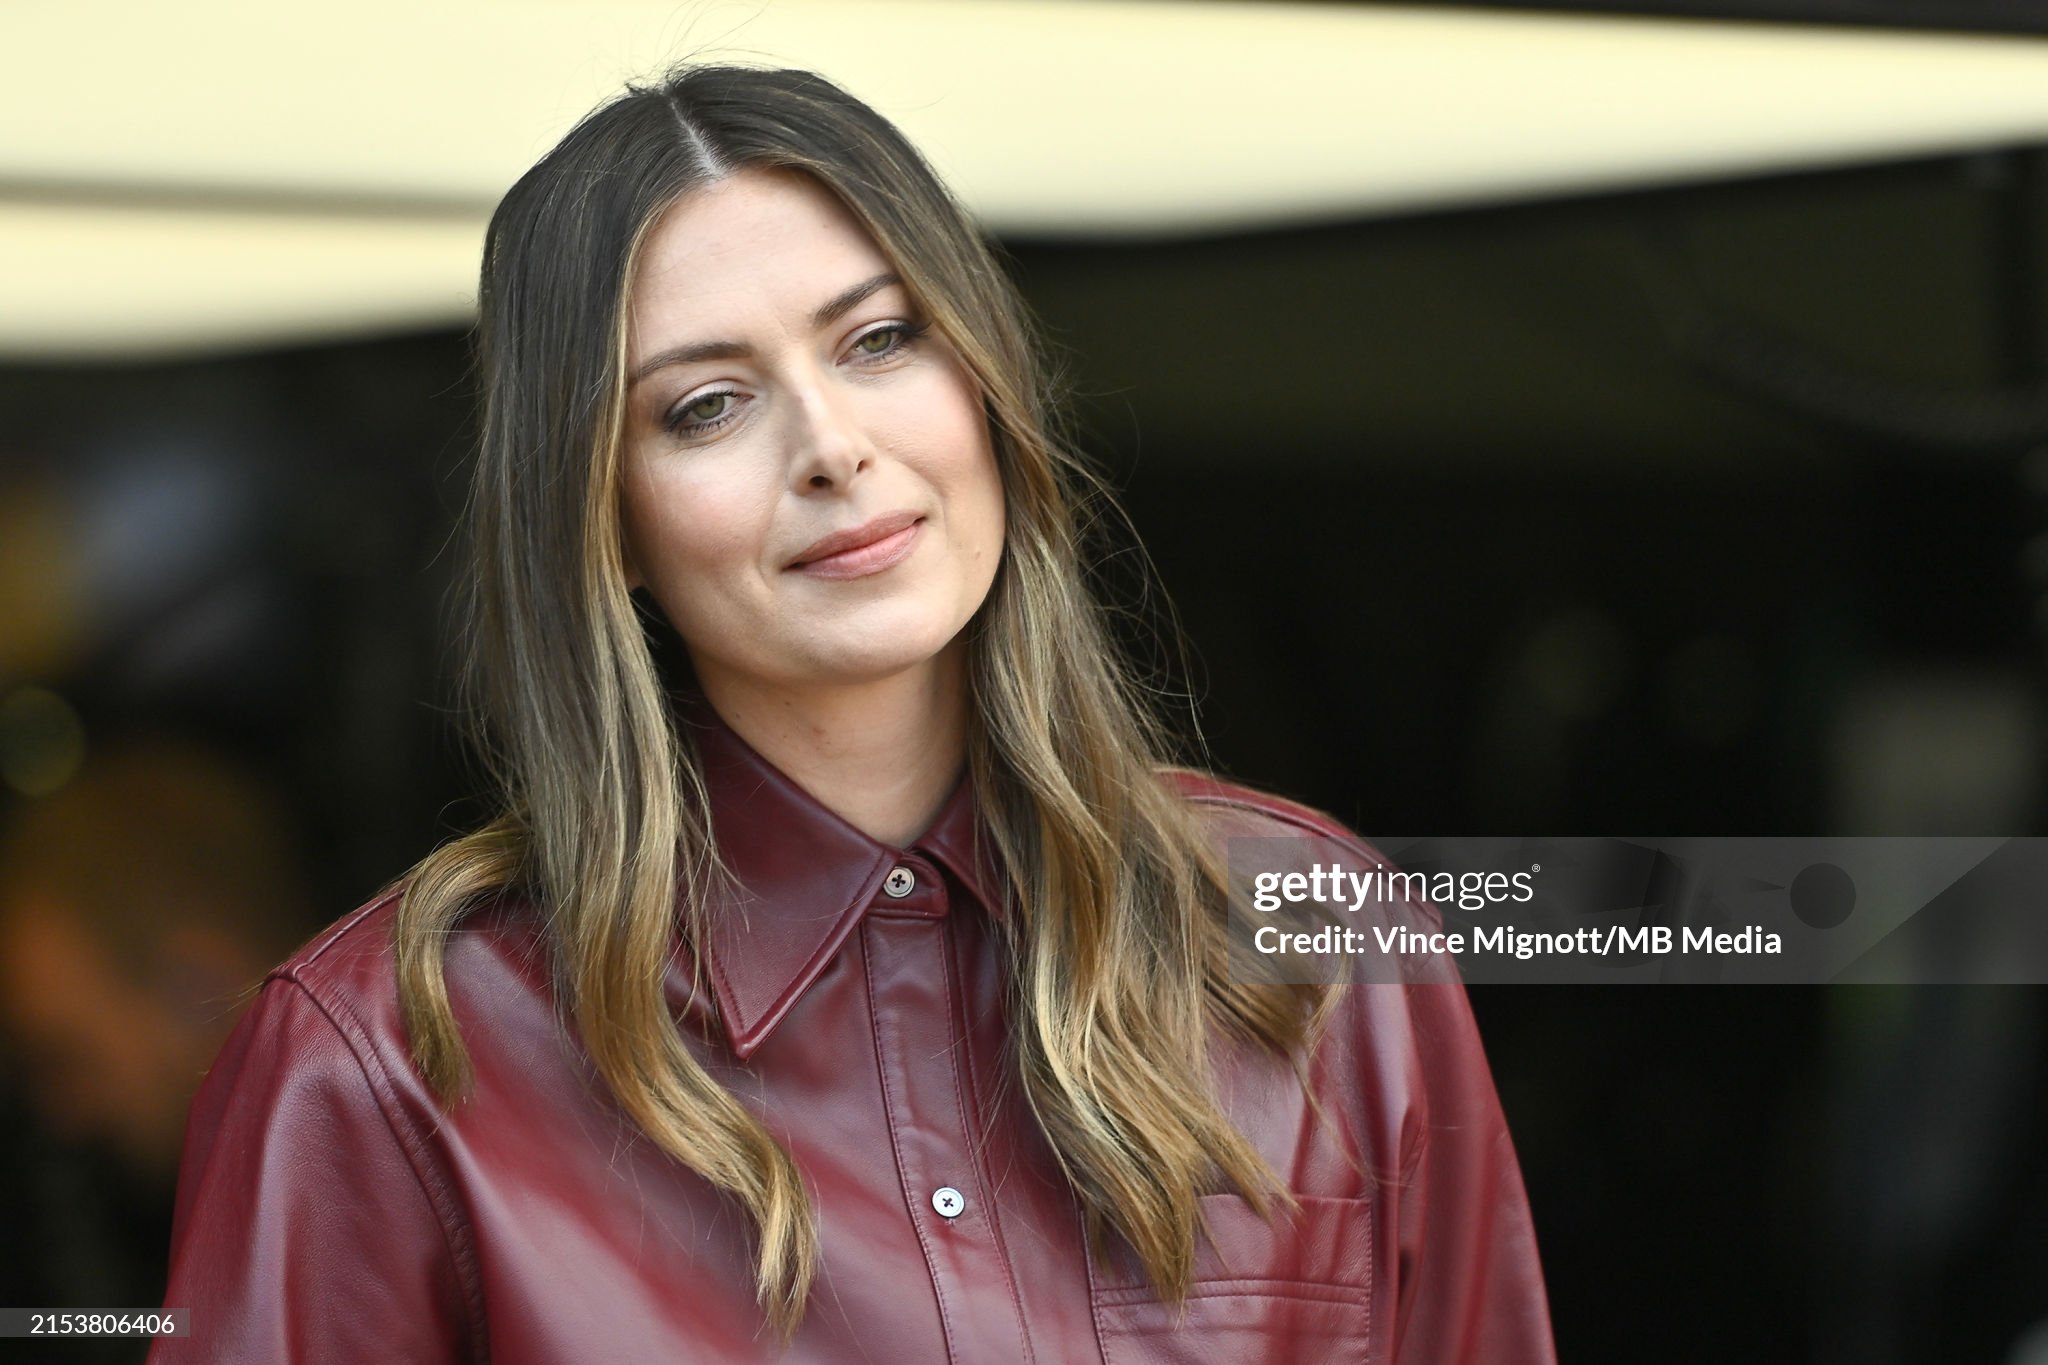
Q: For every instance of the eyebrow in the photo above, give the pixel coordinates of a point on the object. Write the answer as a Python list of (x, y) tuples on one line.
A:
[(824, 315)]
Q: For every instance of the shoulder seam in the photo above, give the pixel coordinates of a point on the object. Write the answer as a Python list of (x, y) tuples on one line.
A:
[(1282, 813), (1287, 812), (329, 936), (1305, 819), (454, 1227)]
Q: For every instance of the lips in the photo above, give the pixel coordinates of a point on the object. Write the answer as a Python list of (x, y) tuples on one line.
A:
[(867, 548)]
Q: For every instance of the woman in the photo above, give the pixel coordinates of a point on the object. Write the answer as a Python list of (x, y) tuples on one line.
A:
[(843, 979)]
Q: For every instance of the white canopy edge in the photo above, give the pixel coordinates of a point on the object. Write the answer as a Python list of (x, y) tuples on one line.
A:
[(146, 139)]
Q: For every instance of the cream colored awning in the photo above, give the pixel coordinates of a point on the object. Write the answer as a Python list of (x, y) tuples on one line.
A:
[(221, 173)]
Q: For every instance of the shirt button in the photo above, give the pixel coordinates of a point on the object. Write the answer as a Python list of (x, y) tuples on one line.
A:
[(900, 882), (948, 1201)]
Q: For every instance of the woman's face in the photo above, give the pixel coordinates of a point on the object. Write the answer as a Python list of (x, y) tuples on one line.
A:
[(808, 491)]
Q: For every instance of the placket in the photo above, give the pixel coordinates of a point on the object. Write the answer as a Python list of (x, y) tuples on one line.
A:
[(920, 1045)]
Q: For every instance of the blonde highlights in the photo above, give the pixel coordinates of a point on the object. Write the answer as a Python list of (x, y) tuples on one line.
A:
[(1116, 962)]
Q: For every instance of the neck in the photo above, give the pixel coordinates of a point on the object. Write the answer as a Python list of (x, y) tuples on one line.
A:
[(882, 755)]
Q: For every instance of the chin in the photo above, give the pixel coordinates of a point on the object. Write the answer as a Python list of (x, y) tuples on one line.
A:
[(881, 651), (855, 667)]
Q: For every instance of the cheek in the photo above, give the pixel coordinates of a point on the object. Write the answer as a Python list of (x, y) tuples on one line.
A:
[(684, 528), (981, 491), (960, 461), (982, 494)]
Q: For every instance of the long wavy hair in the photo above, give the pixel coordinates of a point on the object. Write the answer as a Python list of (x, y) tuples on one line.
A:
[(1116, 963)]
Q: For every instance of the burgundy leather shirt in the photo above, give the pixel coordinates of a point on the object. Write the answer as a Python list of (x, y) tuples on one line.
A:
[(329, 1210)]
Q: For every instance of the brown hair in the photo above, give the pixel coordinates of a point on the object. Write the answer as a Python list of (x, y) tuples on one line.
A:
[(1116, 968)]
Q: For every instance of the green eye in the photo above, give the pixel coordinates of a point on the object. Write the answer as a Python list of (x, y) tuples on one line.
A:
[(886, 336), (704, 415)]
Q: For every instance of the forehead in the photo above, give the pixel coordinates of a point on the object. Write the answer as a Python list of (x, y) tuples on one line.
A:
[(755, 244)]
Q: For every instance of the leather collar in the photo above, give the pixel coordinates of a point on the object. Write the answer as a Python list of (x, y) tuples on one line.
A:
[(804, 877)]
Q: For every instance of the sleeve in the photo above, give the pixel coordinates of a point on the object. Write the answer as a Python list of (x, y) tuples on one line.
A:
[(304, 1231), (1471, 1290)]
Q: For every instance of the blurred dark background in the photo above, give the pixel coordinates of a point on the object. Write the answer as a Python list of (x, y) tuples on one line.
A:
[(1714, 510), (1718, 510)]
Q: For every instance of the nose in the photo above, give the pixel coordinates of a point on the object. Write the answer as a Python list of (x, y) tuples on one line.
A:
[(831, 445)]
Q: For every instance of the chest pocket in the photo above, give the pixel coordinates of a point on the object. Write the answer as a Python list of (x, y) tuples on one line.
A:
[(1299, 1289)]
